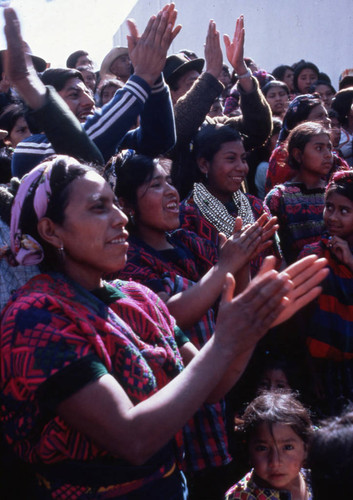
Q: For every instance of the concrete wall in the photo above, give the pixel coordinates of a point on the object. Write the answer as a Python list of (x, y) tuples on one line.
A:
[(277, 31)]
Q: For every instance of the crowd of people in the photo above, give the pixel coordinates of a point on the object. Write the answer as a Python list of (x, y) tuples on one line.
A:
[(176, 265)]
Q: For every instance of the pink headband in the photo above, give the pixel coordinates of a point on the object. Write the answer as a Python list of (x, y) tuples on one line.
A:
[(25, 249)]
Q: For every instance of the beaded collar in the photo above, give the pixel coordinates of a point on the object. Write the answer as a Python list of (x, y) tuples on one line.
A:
[(216, 213)]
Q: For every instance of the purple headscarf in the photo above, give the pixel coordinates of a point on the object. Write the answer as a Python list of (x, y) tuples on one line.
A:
[(25, 249)]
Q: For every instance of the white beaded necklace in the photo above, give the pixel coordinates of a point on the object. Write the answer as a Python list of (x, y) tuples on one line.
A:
[(216, 213)]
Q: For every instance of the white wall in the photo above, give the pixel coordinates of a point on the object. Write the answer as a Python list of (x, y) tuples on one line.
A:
[(277, 31)]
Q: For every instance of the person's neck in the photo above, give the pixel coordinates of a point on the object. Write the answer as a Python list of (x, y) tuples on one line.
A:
[(155, 239), (310, 180), (222, 197)]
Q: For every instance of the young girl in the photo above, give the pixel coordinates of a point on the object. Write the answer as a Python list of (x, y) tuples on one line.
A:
[(277, 429), (330, 326), (299, 203)]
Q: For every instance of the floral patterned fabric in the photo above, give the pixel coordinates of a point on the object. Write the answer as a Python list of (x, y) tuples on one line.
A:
[(247, 489)]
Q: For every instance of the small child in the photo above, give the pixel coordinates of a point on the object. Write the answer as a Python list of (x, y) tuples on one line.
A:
[(330, 321), (299, 203), (277, 430)]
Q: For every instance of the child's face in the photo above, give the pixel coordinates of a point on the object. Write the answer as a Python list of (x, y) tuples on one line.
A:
[(274, 379), (317, 155), (277, 456), (338, 216)]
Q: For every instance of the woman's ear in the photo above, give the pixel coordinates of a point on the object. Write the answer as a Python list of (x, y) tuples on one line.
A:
[(297, 155), (203, 165), (47, 229)]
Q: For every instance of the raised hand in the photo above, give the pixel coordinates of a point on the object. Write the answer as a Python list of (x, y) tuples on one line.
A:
[(306, 275), (18, 63), (148, 52), (235, 53), (341, 250), (237, 250), (243, 320), (269, 227), (213, 51)]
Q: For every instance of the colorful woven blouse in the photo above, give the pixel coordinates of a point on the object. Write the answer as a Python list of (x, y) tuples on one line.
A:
[(173, 271), (279, 171), (247, 489), (299, 211), (56, 337), (329, 334), (192, 219)]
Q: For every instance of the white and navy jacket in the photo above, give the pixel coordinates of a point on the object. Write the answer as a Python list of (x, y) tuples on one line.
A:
[(109, 127)]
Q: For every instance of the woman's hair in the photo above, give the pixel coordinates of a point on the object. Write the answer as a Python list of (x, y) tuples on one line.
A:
[(342, 103), (74, 57), (132, 171), (299, 68), (280, 71), (322, 82), (341, 183), (272, 84), (299, 138), (110, 82), (207, 143), (277, 407), (298, 111), (64, 170), (209, 139), (330, 458), (10, 115)]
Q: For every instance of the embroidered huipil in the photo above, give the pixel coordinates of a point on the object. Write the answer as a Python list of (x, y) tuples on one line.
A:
[(172, 271), (56, 337)]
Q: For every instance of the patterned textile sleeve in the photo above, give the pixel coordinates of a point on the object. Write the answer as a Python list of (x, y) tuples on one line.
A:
[(273, 203), (313, 249), (278, 170)]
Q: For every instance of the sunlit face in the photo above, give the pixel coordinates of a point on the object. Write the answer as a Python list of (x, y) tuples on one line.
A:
[(78, 98), (277, 454), (226, 171), (288, 79), (274, 379), (184, 84), (19, 132), (277, 98), (121, 67), (319, 114), (326, 94), (305, 80), (338, 216), (89, 78), (317, 155), (157, 205), (93, 232)]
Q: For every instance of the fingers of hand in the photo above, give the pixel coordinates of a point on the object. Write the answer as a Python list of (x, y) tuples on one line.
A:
[(228, 289), (305, 284), (132, 29), (304, 268), (267, 265), (265, 299)]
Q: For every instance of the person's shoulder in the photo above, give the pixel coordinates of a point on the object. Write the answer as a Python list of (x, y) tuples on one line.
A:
[(316, 248), (32, 141), (243, 489)]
